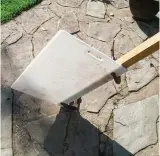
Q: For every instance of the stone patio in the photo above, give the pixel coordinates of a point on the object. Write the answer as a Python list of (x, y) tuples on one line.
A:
[(115, 119)]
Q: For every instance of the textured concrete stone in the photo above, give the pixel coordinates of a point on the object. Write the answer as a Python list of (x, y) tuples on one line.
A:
[(46, 2), (137, 78), (120, 4), (87, 138), (15, 58), (82, 17), (103, 31), (100, 120), (81, 137), (6, 152), (42, 106), (96, 9), (44, 34), (69, 23), (125, 41), (32, 19), (50, 132), (141, 29), (96, 99), (104, 115), (70, 3), (24, 145), (11, 32), (101, 46), (135, 125), (156, 55), (150, 151), (6, 118), (151, 89)]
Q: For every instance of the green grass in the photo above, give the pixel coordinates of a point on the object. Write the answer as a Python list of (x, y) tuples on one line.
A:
[(12, 8)]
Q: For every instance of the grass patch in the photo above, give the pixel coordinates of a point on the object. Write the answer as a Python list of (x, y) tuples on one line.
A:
[(12, 8)]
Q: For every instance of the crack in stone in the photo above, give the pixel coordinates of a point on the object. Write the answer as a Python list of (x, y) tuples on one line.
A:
[(121, 124), (70, 6), (41, 25), (66, 132), (32, 47)]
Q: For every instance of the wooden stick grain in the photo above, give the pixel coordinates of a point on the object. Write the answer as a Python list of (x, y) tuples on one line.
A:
[(143, 50)]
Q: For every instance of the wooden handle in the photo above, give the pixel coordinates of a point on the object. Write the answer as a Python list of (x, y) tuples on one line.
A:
[(146, 48)]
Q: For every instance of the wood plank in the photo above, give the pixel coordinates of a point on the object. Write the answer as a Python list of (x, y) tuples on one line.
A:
[(143, 50)]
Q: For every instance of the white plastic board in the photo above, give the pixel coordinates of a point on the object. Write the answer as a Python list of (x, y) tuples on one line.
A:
[(66, 69)]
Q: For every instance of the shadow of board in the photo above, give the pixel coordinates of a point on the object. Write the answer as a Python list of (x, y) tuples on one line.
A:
[(81, 138)]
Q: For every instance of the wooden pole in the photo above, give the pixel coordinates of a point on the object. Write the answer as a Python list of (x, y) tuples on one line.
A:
[(143, 50)]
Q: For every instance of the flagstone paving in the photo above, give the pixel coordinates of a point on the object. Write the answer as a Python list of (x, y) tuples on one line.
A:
[(115, 118)]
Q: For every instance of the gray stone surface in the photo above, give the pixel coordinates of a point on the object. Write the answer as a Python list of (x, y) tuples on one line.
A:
[(98, 31), (15, 58), (120, 4), (50, 132), (148, 91), (6, 119), (135, 80), (96, 99), (70, 3), (69, 22), (125, 41), (135, 125), (149, 151), (32, 19), (101, 46), (44, 34), (33, 104), (156, 55), (101, 119), (11, 32), (79, 134), (141, 29), (6, 152), (96, 9)]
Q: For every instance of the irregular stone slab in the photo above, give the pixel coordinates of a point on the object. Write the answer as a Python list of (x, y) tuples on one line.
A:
[(141, 29), (70, 3), (46, 2), (124, 15), (23, 144), (156, 55), (104, 115), (6, 152), (42, 106), (11, 32), (96, 9), (100, 120), (125, 41), (87, 139), (32, 19), (97, 98), (44, 34), (151, 89), (103, 31), (14, 37), (135, 125), (6, 119), (137, 78), (50, 132), (69, 23), (120, 4), (15, 58), (101, 46), (149, 151)]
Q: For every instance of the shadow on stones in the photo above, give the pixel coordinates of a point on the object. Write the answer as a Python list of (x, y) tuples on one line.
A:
[(149, 28), (72, 135)]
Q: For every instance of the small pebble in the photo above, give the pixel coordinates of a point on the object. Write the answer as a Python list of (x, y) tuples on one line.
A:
[(111, 14)]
